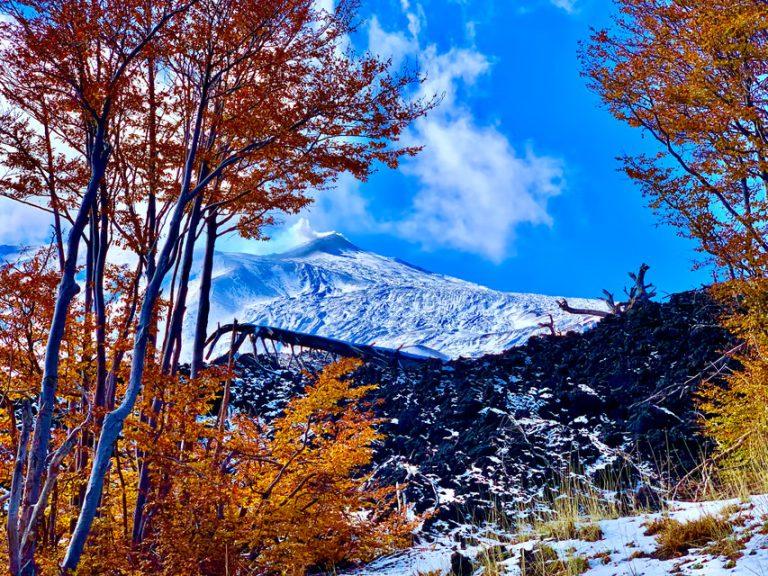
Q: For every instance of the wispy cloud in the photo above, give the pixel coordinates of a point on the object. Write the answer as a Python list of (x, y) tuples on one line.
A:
[(20, 224), (567, 5), (474, 188)]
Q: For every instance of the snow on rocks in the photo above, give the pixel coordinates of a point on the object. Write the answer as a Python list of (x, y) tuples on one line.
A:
[(495, 430)]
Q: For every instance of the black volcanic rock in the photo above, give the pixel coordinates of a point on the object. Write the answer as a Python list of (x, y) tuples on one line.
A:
[(474, 434)]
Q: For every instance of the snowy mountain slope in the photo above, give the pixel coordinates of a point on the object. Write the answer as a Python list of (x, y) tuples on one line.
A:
[(332, 288)]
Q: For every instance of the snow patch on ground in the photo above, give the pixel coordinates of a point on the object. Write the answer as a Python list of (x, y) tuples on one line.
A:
[(624, 549)]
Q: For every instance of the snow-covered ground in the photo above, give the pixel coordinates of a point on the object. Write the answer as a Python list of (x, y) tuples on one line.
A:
[(332, 288), (623, 550)]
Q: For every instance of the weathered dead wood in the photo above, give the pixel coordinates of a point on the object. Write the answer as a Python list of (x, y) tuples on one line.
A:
[(639, 292), (234, 345), (365, 352), (550, 325), (563, 304)]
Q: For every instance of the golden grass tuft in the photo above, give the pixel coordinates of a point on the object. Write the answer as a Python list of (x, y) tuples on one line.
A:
[(543, 560), (569, 529), (676, 538)]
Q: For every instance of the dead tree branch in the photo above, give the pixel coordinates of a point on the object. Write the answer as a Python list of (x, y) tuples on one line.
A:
[(639, 292)]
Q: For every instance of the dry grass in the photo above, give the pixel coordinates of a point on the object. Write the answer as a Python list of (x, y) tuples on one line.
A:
[(579, 500), (676, 538), (569, 529), (545, 561), (656, 526), (739, 477), (490, 560), (572, 511)]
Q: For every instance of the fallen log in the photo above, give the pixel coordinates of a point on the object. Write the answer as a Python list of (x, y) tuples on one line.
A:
[(365, 352)]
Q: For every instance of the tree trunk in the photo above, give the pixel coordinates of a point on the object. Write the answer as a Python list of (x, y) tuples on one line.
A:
[(52, 187), (173, 342), (67, 290), (152, 171), (172, 345), (114, 421), (14, 499), (204, 301), (99, 304)]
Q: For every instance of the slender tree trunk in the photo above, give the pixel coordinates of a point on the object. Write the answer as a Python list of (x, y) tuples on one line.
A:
[(172, 348), (14, 500), (67, 290), (152, 173), (170, 359), (204, 302), (114, 421), (180, 305), (99, 303), (224, 409), (117, 359), (52, 189), (143, 483), (92, 249)]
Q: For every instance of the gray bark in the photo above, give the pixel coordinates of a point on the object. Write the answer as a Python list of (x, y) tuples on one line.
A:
[(67, 290), (114, 420), (204, 303)]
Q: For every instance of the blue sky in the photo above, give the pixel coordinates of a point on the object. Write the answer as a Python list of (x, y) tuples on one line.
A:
[(517, 187)]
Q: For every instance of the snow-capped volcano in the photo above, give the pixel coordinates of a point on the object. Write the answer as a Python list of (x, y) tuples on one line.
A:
[(333, 288)]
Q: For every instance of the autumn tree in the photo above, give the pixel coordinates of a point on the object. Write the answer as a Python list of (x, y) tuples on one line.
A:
[(281, 500), (135, 123), (275, 107), (692, 75), (78, 54), (233, 496), (26, 307)]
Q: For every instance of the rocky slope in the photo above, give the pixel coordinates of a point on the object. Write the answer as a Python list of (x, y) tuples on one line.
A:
[(471, 435)]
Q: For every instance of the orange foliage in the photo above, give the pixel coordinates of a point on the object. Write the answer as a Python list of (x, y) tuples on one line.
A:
[(133, 123), (276, 498), (691, 74)]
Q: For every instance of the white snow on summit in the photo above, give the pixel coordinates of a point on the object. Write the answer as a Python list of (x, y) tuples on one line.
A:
[(333, 288)]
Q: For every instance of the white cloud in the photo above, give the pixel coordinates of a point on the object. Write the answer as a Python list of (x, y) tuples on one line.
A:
[(327, 5), (474, 189), (300, 232), (449, 71), (342, 203), (23, 225), (567, 5), (290, 234), (391, 45)]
